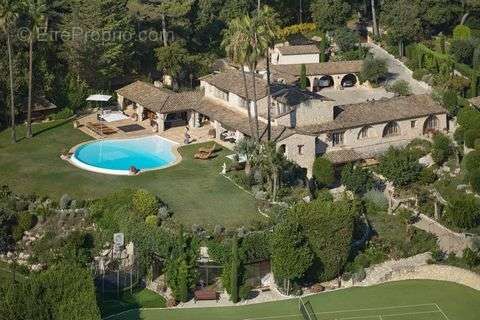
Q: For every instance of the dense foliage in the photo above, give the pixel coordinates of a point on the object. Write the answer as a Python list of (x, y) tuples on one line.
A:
[(328, 227), (373, 70), (442, 148), (323, 172), (291, 254), (64, 291), (463, 211), (400, 166), (357, 179)]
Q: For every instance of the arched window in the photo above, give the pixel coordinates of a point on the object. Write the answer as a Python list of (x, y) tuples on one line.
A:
[(431, 124), (366, 132), (282, 149), (391, 129)]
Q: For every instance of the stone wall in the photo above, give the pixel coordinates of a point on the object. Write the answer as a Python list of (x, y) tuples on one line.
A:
[(303, 157), (375, 143)]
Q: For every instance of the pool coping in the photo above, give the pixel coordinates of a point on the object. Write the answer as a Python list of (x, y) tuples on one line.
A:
[(81, 165)]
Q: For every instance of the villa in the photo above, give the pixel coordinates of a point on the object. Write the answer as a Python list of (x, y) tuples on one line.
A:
[(305, 125)]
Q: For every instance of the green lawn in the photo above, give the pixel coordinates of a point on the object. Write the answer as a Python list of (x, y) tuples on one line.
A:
[(6, 273), (405, 300), (193, 189), (140, 299)]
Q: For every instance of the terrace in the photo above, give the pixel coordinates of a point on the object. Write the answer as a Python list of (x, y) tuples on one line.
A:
[(194, 189)]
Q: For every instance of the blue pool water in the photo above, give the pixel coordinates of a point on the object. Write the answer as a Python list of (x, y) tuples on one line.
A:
[(112, 155)]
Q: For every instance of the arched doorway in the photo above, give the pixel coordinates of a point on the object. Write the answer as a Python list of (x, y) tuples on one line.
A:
[(322, 82), (349, 80), (282, 149), (432, 124), (391, 129)]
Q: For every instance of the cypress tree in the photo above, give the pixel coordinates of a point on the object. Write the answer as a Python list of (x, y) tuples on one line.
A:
[(303, 77), (235, 262), (476, 58)]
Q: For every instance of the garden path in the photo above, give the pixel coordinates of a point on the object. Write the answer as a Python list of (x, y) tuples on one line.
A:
[(448, 240), (397, 70)]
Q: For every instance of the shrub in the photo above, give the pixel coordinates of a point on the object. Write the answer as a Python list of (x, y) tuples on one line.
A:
[(360, 275), (62, 114), (151, 220), (373, 70), (346, 39), (324, 195), (477, 144), (145, 203), (469, 118), (357, 179), (399, 87), (323, 172), (470, 136), (441, 148), (375, 201), (471, 258), (474, 179), (471, 161), (427, 176), (462, 51), (64, 202), (244, 291), (450, 101), (463, 211), (419, 147), (400, 167), (462, 32), (24, 222), (418, 74), (163, 213), (459, 135)]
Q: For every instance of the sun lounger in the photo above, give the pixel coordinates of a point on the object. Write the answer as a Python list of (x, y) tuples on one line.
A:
[(100, 129), (207, 150), (204, 155)]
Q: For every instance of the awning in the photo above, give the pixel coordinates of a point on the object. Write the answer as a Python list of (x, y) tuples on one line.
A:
[(99, 97)]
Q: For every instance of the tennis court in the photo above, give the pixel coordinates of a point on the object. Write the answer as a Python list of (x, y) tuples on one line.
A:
[(427, 311), (403, 300)]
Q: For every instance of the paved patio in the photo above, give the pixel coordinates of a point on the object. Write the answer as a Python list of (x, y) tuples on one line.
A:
[(176, 134), (355, 95)]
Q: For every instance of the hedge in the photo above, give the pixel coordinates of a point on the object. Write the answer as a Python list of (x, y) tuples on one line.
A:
[(437, 62)]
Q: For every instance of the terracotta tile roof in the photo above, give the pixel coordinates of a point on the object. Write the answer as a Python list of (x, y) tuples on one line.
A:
[(291, 72), (293, 96), (159, 99), (344, 156), (298, 49), (232, 81), (381, 111), (233, 120)]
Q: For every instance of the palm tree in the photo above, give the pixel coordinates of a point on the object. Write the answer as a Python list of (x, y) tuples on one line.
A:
[(271, 161), (235, 42), (374, 18), (268, 18), (250, 149), (36, 10), (8, 14)]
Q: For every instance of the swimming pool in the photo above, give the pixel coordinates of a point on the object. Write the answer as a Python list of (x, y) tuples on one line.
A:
[(117, 156)]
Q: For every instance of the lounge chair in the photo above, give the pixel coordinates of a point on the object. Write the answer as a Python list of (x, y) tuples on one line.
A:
[(100, 129), (204, 155), (207, 150)]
